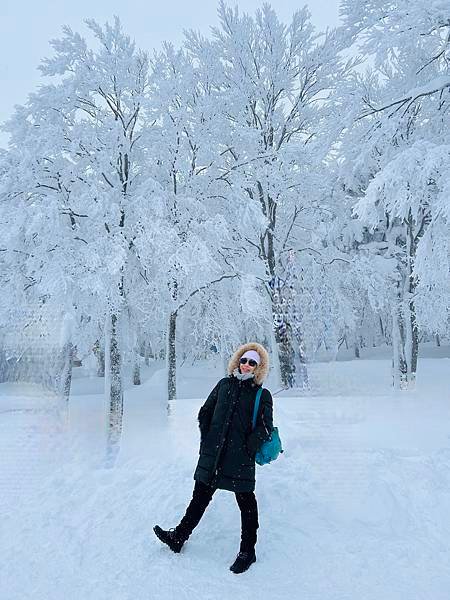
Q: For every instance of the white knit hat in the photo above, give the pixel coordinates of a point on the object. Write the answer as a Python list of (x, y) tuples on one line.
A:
[(252, 354)]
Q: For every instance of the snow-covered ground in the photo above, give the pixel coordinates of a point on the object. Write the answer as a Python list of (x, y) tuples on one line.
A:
[(356, 508)]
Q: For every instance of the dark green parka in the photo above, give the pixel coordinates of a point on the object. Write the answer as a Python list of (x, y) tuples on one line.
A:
[(228, 444)]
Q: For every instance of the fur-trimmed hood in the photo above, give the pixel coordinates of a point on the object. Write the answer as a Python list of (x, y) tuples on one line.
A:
[(261, 370)]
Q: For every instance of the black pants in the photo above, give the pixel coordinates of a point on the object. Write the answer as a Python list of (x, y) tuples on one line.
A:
[(202, 496)]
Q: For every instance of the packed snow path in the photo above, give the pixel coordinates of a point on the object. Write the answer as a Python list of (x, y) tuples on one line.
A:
[(30, 421), (357, 508)]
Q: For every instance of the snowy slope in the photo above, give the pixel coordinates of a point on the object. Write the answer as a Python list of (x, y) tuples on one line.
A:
[(356, 508)]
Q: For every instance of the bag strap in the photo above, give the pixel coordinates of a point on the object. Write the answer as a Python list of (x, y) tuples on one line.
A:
[(255, 410)]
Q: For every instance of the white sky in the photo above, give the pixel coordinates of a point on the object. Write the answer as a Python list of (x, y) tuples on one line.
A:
[(26, 26)]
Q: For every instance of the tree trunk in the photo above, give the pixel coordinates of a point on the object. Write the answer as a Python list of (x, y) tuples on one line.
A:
[(283, 339), (114, 389), (404, 315), (414, 346), (411, 329), (171, 358), (396, 349), (405, 340), (137, 368), (275, 357), (147, 351), (225, 360), (99, 353), (288, 337), (382, 329), (301, 377), (66, 375)]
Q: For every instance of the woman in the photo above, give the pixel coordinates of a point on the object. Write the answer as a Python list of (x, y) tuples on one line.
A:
[(227, 450)]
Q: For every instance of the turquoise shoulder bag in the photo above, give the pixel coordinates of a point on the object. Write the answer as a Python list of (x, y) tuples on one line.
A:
[(271, 448)]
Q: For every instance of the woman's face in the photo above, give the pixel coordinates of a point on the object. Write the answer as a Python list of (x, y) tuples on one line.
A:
[(247, 367)]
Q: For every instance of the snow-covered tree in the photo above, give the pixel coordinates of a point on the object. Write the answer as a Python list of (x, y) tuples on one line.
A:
[(397, 160), (184, 137), (274, 82), (86, 201)]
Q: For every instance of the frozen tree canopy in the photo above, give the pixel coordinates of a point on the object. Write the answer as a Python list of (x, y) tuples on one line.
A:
[(253, 184)]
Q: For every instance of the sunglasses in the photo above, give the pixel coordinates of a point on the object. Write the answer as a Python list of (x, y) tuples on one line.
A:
[(250, 361)]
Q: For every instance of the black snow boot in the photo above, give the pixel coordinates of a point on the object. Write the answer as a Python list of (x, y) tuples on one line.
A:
[(171, 538), (243, 561)]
